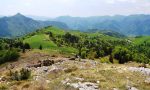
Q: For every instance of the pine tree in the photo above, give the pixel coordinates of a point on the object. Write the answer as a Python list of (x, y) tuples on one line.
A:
[(40, 47)]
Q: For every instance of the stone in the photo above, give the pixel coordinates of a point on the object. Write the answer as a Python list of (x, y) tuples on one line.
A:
[(147, 81), (68, 83), (65, 81), (47, 81), (97, 82), (145, 71), (85, 86), (115, 89), (132, 88), (79, 79)]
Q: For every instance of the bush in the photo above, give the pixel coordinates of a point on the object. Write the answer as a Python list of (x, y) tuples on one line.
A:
[(15, 76), (27, 46), (92, 55), (8, 55), (141, 58), (122, 54), (23, 74), (83, 54)]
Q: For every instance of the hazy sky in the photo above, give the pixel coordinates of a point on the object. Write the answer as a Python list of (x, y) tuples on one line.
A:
[(53, 8)]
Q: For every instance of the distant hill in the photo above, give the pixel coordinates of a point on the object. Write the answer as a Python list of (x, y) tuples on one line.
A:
[(128, 25), (18, 25)]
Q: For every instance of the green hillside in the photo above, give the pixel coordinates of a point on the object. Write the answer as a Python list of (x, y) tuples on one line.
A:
[(90, 45), (40, 38), (141, 39)]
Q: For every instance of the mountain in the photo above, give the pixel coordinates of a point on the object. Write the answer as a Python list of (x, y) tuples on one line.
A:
[(18, 25), (128, 25)]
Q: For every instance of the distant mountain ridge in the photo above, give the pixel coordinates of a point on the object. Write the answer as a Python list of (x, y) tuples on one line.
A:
[(19, 25), (133, 25), (128, 25)]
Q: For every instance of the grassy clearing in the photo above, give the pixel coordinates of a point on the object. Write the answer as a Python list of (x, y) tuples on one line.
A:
[(40, 39), (141, 39), (48, 45)]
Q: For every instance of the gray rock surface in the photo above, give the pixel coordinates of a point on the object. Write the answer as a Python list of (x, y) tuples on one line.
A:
[(145, 71), (85, 86)]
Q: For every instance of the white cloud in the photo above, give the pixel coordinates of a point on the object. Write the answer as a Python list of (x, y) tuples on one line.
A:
[(120, 1), (74, 7)]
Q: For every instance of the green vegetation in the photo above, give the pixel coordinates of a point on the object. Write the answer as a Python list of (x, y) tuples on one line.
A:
[(82, 44), (8, 55), (90, 45), (9, 50), (141, 39), (46, 39)]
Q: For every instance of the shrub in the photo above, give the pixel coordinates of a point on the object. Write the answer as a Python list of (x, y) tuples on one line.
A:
[(92, 55), (122, 54), (23, 74), (3, 87), (83, 54), (40, 47), (15, 76), (27, 46), (8, 55)]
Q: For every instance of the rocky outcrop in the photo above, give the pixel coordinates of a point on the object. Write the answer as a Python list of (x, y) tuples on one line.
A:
[(41, 63), (145, 71), (85, 86)]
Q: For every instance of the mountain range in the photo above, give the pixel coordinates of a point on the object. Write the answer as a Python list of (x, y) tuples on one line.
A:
[(129, 25), (19, 25), (132, 25)]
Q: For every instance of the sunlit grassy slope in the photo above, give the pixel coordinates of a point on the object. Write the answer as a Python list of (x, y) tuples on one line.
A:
[(141, 39), (40, 38)]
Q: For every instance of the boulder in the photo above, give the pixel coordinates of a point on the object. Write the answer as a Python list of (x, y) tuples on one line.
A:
[(41, 63), (47, 62)]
